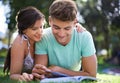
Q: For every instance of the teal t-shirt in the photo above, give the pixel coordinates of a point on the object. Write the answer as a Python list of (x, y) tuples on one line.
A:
[(69, 56)]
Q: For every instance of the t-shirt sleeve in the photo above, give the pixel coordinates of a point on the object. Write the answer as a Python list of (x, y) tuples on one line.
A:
[(40, 47), (88, 47)]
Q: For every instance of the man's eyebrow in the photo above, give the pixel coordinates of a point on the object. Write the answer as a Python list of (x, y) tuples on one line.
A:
[(68, 27)]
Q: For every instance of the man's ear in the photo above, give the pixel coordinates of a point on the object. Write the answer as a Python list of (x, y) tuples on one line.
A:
[(50, 18), (75, 21)]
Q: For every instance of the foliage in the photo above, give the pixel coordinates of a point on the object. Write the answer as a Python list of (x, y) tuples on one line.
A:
[(102, 19), (3, 53), (16, 5)]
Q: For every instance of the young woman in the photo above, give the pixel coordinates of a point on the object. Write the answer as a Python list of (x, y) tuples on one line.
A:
[(20, 59)]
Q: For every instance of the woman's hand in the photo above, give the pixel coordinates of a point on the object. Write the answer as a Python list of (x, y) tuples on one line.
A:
[(26, 77), (23, 77), (79, 27), (39, 71)]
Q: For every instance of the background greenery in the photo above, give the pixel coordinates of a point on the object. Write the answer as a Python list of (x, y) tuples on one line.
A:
[(100, 17)]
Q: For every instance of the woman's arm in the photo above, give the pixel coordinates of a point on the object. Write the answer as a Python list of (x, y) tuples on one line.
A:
[(17, 58)]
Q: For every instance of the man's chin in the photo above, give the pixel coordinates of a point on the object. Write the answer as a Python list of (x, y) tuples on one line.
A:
[(61, 42), (37, 40)]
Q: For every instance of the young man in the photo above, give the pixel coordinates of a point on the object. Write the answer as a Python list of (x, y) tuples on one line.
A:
[(62, 48)]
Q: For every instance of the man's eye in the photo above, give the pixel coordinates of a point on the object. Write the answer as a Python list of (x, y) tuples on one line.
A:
[(33, 28), (67, 28), (55, 27)]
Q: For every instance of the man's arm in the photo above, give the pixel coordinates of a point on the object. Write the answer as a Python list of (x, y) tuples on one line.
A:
[(89, 68), (41, 59), (89, 65), (40, 68)]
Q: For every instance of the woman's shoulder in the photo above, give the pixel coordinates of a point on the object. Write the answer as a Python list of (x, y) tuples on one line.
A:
[(19, 41)]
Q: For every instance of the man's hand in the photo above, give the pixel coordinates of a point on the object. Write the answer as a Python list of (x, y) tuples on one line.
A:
[(39, 71), (54, 68)]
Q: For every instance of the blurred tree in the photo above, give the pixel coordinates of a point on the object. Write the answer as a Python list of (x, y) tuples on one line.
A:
[(95, 22), (111, 9), (99, 17), (16, 5)]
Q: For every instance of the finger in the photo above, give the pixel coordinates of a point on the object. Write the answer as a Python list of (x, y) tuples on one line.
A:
[(38, 76), (39, 66), (39, 71), (26, 76), (31, 76), (46, 69), (21, 78), (80, 28)]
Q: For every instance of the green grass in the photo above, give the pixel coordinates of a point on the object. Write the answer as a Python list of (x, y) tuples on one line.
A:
[(3, 53), (6, 79), (102, 78), (106, 78)]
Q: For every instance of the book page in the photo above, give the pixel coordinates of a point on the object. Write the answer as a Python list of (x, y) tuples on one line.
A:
[(68, 79)]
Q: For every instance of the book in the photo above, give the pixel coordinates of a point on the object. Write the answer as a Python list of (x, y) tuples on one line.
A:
[(58, 74), (61, 78)]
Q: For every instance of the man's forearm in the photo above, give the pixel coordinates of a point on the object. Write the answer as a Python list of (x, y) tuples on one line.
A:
[(70, 72)]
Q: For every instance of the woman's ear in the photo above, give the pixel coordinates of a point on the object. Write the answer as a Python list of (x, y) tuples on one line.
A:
[(25, 31)]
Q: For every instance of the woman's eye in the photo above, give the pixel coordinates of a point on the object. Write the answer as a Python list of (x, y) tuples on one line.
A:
[(41, 27)]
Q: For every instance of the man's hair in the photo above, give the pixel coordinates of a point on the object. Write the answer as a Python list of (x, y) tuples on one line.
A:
[(64, 10)]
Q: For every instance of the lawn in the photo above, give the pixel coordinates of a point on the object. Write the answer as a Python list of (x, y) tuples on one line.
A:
[(106, 78), (102, 77)]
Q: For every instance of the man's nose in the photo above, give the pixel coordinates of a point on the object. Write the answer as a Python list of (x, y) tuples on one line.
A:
[(61, 33)]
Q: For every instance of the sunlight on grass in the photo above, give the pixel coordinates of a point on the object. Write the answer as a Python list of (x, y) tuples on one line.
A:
[(104, 78)]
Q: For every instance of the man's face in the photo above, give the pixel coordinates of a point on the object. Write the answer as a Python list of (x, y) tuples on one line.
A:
[(62, 30)]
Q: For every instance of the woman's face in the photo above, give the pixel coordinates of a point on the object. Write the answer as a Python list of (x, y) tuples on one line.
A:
[(34, 33)]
